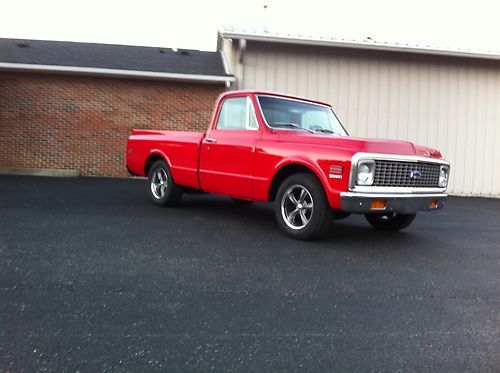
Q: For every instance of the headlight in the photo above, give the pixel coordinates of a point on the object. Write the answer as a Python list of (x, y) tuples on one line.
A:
[(366, 172), (444, 174)]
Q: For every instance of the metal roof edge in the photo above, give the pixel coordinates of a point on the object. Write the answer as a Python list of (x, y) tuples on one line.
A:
[(224, 62), (154, 75), (391, 47)]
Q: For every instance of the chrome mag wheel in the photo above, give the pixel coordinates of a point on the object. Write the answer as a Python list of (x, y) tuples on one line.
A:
[(159, 183), (297, 206)]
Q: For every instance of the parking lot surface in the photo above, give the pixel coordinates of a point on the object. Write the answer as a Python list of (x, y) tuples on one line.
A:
[(94, 277)]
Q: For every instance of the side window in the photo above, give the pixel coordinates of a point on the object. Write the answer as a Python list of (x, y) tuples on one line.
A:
[(237, 113)]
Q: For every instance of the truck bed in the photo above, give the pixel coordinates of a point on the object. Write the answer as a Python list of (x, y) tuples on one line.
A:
[(180, 150)]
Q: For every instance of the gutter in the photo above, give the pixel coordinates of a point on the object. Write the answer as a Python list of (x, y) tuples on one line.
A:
[(224, 64), (118, 73), (391, 47)]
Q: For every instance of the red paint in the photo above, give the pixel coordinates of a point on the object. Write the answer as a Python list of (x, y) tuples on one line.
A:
[(243, 163)]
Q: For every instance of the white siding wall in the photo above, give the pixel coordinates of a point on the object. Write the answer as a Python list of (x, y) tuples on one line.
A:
[(452, 104)]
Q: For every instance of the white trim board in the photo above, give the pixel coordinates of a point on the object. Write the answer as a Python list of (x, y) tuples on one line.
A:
[(213, 79)]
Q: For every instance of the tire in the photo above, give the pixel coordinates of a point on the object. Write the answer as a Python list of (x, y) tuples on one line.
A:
[(301, 208), (162, 188), (390, 222), (241, 202)]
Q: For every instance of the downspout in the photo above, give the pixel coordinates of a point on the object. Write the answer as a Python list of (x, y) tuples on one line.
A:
[(242, 46), (224, 64)]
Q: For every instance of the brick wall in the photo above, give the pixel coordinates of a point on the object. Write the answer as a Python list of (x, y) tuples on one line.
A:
[(73, 122)]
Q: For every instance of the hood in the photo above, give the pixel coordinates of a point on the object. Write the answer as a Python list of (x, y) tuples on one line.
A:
[(356, 144), (425, 151)]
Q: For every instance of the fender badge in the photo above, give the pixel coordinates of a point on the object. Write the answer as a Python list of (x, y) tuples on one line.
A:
[(336, 171)]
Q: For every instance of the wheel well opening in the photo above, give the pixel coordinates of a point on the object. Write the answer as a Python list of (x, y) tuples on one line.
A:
[(149, 162), (282, 174)]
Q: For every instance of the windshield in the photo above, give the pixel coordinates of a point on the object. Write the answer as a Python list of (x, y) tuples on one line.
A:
[(300, 115)]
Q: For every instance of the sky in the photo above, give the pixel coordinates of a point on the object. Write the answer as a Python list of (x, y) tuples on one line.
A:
[(192, 24)]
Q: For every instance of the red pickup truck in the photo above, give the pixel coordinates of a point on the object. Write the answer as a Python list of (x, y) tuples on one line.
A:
[(264, 146)]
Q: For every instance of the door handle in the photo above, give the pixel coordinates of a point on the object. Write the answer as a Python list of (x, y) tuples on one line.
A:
[(210, 140)]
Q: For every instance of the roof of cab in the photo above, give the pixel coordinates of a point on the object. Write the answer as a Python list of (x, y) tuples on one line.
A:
[(237, 93)]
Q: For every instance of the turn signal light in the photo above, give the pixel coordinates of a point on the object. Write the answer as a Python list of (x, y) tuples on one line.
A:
[(434, 204), (378, 204)]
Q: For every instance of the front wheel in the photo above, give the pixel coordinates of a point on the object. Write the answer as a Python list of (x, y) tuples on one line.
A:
[(162, 188), (301, 207), (391, 221)]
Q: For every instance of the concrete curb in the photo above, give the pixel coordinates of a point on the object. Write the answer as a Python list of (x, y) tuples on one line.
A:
[(39, 172)]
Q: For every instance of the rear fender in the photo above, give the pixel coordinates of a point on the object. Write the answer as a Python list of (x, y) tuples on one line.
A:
[(157, 152)]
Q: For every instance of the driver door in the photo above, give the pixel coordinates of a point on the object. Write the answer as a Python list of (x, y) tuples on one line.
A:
[(227, 153)]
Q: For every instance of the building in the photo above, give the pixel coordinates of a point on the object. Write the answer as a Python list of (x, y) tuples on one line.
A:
[(444, 98), (71, 106)]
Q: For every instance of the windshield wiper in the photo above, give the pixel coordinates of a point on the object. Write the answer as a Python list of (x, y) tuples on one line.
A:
[(324, 130), (290, 124)]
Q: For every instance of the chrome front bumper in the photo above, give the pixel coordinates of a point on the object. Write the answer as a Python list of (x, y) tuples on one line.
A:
[(403, 203)]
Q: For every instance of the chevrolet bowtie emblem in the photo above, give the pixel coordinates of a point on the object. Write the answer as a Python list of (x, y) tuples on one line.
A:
[(415, 174)]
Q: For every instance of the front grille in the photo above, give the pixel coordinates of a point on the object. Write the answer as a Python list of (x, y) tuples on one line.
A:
[(399, 174)]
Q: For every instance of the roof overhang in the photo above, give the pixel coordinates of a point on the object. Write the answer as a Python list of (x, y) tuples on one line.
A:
[(367, 45), (117, 73)]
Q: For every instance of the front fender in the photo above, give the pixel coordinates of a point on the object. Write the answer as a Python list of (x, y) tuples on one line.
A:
[(313, 167)]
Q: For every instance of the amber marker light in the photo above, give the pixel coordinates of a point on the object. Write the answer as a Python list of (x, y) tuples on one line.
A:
[(434, 204), (378, 204)]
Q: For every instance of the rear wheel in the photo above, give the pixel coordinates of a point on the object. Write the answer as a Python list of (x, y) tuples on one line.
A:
[(391, 221), (162, 188), (301, 207)]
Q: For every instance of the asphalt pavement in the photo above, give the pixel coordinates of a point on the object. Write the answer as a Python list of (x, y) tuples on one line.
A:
[(94, 277)]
